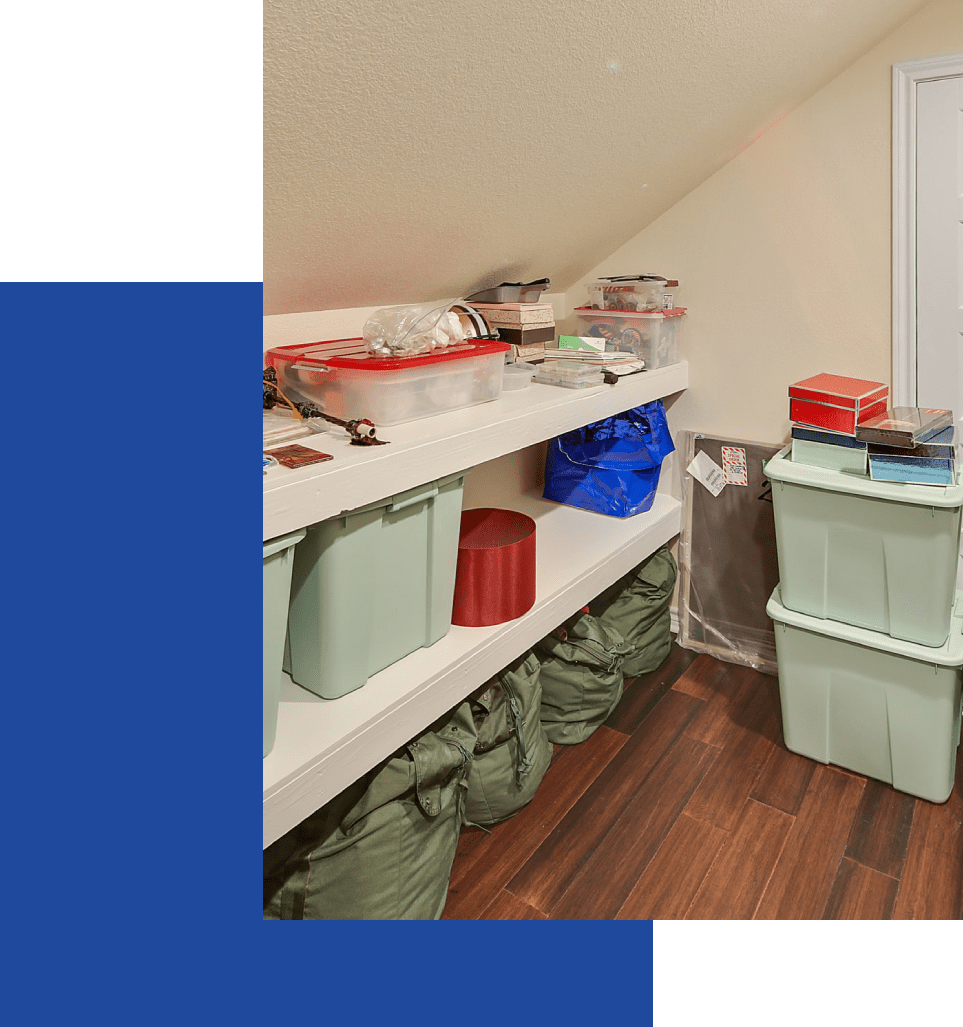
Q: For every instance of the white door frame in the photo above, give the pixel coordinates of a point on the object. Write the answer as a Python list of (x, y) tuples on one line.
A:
[(906, 75)]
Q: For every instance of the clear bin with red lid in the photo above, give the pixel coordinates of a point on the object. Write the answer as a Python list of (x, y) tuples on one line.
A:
[(654, 336), (345, 380)]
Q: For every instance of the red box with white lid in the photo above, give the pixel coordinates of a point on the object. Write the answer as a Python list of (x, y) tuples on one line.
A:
[(835, 402), (345, 380)]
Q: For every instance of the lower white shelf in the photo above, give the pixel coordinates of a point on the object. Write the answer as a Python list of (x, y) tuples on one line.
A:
[(323, 745)]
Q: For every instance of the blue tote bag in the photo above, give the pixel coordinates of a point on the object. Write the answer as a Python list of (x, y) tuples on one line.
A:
[(612, 466)]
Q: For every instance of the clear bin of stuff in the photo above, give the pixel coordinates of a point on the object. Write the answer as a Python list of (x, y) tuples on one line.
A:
[(655, 337), (628, 293), (347, 381)]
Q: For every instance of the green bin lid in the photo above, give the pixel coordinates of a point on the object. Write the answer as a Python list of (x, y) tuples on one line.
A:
[(275, 545), (781, 468), (949, 654)]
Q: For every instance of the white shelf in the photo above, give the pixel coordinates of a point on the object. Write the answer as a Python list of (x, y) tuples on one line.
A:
[(323, 745), (424, 450)]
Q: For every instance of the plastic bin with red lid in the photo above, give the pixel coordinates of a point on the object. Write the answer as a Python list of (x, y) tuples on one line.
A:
[(654, 336), (347, 381)]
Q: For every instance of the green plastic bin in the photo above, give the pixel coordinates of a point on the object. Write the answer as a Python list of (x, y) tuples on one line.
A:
[(877, 705), (878, 555), (372, 586), (278, 562)]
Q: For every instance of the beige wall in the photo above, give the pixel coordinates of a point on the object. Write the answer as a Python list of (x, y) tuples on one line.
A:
[(784, 254)]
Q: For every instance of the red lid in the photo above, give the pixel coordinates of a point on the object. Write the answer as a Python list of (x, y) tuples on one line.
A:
[(837, 385), (593, 312), (362, 360)]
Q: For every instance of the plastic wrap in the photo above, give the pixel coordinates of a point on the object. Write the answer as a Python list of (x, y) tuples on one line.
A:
[(727, 551), (409, 330)]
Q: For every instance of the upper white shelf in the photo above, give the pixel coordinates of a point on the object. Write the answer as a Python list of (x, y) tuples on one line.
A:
[(424, 450)]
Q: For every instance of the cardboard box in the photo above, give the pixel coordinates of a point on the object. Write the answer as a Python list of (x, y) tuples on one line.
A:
[(930, 463), (835, 402), (526, 336), (821, 448), (905, 427), (517, 314)]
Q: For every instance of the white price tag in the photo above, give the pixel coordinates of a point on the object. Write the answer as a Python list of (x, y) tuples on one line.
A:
[(708, 473)]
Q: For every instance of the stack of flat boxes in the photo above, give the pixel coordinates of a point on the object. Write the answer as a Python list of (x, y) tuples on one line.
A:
[(869, 626), (526, 327)]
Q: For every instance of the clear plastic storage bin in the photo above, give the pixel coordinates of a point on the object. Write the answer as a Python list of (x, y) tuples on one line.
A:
[(346, 381), (873, 704), (278, 561), (627, 295), (372, 586), (655, 337), (878, 555)]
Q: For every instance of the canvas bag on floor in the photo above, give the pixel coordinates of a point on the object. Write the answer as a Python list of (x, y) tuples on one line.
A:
[(512, 752), (383, 848), (637, 607), (581, 677)]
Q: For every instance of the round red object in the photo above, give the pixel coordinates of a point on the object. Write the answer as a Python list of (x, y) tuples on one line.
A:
[(495, 575)]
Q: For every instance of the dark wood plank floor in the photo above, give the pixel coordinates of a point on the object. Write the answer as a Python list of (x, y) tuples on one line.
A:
[(686, 805)]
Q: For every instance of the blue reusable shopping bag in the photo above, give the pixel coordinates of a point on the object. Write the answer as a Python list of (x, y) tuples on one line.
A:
[(611, 466)]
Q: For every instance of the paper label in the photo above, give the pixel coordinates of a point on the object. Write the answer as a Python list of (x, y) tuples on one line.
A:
[(708, 473), (734, 466)]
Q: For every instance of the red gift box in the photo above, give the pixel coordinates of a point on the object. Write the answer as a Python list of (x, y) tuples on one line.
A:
[(837, 403)]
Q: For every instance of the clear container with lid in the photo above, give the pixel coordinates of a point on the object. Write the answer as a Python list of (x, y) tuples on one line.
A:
[(636, 294), (654, 336), (345, 380)]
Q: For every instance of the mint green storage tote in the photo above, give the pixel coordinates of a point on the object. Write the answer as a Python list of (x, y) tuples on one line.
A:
[(877, 555), (876, 705), (373, 585), (278, 561)]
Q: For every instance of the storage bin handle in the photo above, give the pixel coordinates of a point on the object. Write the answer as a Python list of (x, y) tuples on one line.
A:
[(305, 367), (420, 498)]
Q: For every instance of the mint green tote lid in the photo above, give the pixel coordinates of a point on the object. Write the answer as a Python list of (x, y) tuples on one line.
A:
[(782, 468)]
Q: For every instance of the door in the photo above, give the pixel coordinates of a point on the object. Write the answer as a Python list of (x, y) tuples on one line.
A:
[(939, 249)]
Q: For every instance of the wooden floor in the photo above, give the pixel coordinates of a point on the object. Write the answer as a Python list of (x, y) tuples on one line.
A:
[(686, 805)]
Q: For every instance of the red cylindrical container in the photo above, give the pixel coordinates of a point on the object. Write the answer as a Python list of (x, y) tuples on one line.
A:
[(495, 575)]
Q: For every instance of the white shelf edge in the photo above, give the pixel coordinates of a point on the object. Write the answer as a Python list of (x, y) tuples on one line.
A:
[(428, 449), (325, 745)]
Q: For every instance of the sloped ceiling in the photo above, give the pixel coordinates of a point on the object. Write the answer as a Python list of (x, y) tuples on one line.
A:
[(424, 149)]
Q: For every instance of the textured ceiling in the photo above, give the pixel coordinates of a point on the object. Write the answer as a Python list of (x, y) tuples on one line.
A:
[(424, 149)]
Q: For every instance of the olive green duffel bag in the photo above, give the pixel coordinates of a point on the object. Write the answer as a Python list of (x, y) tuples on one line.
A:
[(383, 848), (637, 607), (581, 677), (512, 752)]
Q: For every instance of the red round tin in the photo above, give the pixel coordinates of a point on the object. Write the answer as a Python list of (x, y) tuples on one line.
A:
[(495, 574)]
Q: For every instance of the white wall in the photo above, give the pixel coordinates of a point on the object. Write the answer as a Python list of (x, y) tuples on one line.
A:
[(784, 254)]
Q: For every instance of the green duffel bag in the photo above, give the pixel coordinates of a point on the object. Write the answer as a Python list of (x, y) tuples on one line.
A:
[(637, 607), (383, 848), (581, 677), (512, 752)]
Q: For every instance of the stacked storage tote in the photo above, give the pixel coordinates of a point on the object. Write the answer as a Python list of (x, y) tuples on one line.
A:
[(869, 627)]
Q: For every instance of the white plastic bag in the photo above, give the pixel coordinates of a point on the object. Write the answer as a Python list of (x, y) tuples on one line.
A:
[(408, 330)]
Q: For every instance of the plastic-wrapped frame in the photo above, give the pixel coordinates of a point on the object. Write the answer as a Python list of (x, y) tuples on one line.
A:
[(727, 558)]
